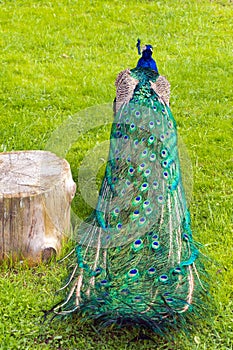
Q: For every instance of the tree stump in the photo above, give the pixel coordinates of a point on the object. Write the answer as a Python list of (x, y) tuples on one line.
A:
[(36, 190)]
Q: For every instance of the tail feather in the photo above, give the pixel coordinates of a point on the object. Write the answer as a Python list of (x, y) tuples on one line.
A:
[(136, 262)]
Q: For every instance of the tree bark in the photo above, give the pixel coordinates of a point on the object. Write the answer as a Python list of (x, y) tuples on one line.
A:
[(36, 190)]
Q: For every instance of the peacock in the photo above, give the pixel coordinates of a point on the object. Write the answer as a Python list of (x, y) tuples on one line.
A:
[(136, 263)]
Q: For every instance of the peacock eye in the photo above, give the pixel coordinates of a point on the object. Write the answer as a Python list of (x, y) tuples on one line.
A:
[(165, 174), (97, 271), (136, 213), (138, 242), (148, 211), (155, 184), (137, 245), (162, 137), (103, 282), (151, 124), (142, 165), (151, 139), (119, 226), (155, 245), (170, 124), (133, 273), (131, 170), (160, 199), (137, 113), (164, 153), (151, 270), (144, 185), (177, 270), (153, 157), (138, 299), (163, 278), (142, 220), (100, 300), (169, 300), (158, 121), (147, 172), (155, 108), (125, 291)]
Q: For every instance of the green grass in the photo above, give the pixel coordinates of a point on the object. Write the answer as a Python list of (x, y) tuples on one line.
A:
[(59, 57)]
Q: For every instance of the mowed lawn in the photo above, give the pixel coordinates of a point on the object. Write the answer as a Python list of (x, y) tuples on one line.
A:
[(60, 57)]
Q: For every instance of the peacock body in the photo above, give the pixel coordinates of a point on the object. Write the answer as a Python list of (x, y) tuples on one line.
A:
[(137, 263)]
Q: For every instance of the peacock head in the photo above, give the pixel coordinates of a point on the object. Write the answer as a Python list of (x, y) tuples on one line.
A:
[(146, 61), (147, 51)]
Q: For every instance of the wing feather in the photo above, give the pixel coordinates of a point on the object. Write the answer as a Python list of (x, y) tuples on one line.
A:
[(162, 88), (125, 85)]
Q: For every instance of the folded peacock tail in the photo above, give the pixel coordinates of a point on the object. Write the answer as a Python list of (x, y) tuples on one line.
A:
[(137, 263)]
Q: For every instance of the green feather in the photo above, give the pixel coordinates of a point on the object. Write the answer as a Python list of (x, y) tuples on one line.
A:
[(137, 263)]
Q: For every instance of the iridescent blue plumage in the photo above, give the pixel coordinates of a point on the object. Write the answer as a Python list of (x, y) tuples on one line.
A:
[(146, 61)]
